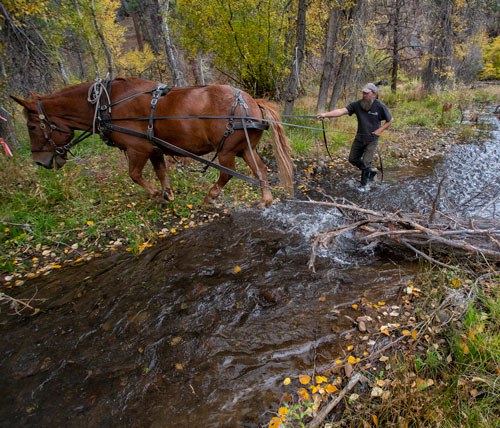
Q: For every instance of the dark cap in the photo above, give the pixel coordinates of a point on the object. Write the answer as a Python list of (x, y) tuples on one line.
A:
[(370, 87)]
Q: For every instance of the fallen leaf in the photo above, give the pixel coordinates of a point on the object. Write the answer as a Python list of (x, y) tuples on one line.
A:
[(377, 392), (304, 379), (321, 379), (348, 370), (330, 389), (353, 398), (283, 411), (275, 422), (303, 394)]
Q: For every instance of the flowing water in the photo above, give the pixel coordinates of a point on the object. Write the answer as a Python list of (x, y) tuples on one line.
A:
[(202, 328)]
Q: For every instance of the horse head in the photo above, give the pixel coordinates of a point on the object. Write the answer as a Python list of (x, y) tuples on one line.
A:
[(48, 136)]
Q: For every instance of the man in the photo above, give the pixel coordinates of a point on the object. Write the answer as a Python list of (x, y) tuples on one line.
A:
[(370, 112)]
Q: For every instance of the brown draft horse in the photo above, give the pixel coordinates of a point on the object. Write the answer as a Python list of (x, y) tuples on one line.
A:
[(52, 120)]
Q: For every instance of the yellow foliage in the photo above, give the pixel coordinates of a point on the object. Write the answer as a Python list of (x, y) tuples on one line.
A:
[(136, 62), (20, 8), (491, 58)]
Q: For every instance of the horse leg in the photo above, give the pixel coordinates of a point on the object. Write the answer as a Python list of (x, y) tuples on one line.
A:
[(136, 163), (160, 166), (226, 160), (259, 169)]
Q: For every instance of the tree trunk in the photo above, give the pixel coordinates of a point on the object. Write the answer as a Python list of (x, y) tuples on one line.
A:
[(340, 80), (437, 74), (395, 46), (296, 66), (348, 46), (177, 75), (100, 34), (328, 63), (197, 70), (132, 11)]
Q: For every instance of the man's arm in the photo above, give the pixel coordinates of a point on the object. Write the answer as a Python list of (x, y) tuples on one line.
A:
[(383, 127), (334, 113)]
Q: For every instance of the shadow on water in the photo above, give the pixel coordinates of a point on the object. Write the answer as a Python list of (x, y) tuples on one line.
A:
[(201, 329)]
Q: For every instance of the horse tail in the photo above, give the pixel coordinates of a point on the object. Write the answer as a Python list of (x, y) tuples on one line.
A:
[(281, 148)]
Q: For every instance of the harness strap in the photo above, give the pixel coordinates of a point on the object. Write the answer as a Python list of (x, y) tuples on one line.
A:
[(158, 92), (168, 146), (243, 125)]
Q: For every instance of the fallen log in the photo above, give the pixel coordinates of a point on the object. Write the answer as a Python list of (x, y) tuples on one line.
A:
[(429, 237)]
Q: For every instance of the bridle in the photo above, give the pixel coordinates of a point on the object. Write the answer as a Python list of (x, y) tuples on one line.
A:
[(47, 127)]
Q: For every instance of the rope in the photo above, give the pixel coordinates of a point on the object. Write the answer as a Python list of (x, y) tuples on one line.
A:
[(94, 97)]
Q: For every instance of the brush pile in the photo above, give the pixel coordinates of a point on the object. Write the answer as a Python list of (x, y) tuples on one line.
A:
[(435, 236)]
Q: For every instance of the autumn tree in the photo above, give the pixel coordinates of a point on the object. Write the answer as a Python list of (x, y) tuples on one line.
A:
[(243, 40)]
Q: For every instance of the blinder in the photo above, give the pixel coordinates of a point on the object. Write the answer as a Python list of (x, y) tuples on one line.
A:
[(47, 124)]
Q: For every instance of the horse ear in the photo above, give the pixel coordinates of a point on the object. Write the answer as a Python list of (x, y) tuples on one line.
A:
[(24, 103)]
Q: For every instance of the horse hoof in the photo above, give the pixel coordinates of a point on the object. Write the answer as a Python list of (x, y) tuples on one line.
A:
[(162, 202), (168, 194), (264, 204)]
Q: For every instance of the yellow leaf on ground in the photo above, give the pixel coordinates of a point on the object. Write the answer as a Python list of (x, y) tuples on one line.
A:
[(287, 381), (303, 394), (351, 359), (321, 379), (237, 269), (283, 411), (275, 422), (464, 348), (331, 388), (304, 379)]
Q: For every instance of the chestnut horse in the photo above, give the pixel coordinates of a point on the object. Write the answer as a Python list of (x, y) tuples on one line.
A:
[(148, 121)]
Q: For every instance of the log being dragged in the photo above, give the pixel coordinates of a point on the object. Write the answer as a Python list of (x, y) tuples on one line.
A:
[(428, 237)]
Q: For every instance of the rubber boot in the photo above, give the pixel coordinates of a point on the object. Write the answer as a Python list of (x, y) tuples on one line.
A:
[(365, 174)]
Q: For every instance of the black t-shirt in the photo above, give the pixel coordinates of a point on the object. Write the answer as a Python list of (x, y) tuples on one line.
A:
[(369, 121)]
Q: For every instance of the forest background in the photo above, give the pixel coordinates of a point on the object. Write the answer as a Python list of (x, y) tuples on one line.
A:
[(277, 49)]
